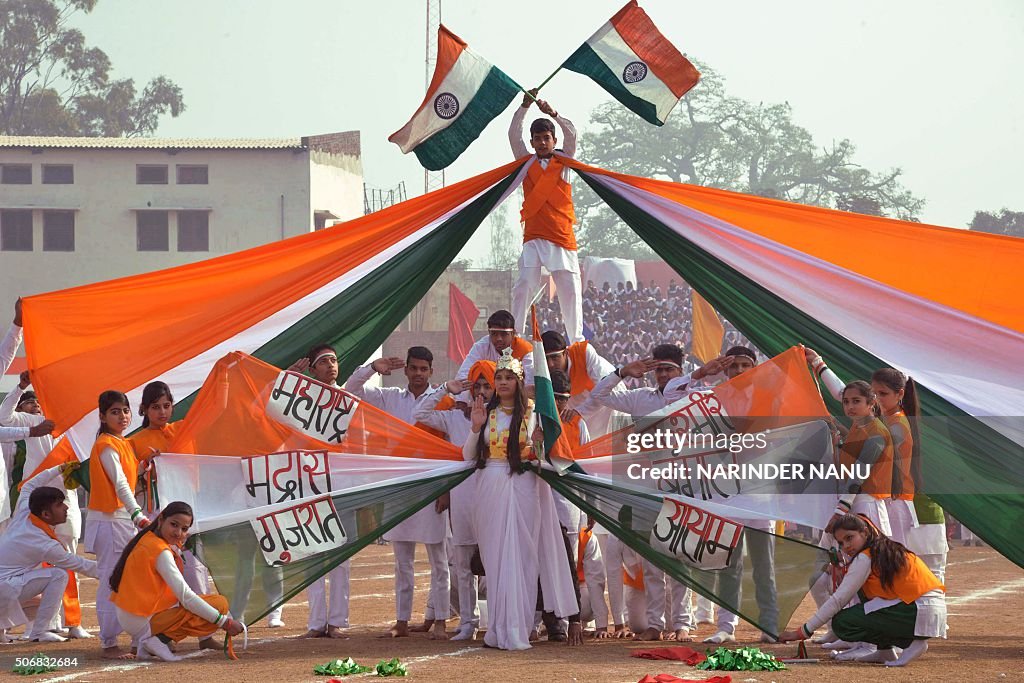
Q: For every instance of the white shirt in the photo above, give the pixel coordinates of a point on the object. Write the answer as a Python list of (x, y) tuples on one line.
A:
[(637, 402), (24, 546), (483, 349), (453, 422), (425, 525), (9, 347), (392, 400)]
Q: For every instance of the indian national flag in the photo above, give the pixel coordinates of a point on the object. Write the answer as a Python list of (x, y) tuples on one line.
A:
[(557, 449), (637, 65), (465, 94)]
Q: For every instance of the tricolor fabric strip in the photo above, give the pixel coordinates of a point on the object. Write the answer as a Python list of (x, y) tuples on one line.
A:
[(867, 292), (465, 94), (636, 64), (557, 449), (349, 286)]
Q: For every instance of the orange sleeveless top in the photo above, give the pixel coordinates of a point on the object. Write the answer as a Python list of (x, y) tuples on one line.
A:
[(879, 484), (142, 590), (102, 496), (579, 379), (547, 211), (903, 454), (914, 581), (160, 439)]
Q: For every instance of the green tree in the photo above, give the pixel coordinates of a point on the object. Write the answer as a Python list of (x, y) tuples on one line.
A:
[(52, 83), (1003, 222), (720, 141), (504, 250)]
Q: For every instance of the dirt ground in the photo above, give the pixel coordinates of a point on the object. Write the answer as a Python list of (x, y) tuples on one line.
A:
[(986, 642)]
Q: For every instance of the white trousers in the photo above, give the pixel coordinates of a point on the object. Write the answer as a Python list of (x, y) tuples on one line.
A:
[(592, 604), (440, 581), (107, 540), (49, 584), (329, 610), (612, 555), (469, 612), (665, 606), (570, 299)]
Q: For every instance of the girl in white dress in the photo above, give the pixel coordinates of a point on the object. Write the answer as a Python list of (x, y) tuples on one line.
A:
[(516, 523)]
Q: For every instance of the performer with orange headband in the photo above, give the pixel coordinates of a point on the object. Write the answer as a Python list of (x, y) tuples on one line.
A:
[(454, 423)]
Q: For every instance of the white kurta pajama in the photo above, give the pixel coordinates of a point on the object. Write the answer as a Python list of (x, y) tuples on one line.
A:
[(8, 350), (426, 526), (456, 427), (520, 543), (23, 548)]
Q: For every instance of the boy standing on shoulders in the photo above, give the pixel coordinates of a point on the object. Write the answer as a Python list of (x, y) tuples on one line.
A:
[(549, 239)]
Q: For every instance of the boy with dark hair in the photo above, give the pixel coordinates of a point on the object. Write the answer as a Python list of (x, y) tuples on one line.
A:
[(427, 526), (28, 542), (549, 240), (584, 368), (501, 334)]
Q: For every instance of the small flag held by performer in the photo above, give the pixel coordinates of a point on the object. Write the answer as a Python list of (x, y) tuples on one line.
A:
[(557, 450), (465, 94), (636, 64)]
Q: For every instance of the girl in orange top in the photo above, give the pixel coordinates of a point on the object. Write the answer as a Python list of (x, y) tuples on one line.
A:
[(868, 442), (155, 437), (153, 602), (156, 409), (897, 401), (904, 604), (113, 512)]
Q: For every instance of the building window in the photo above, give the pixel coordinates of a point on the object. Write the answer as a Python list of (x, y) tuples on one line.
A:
[(150, 175), (58, 174), (16, 230), (16, 174), (193, 231), (151, 231), (58, 230), (193, 175)]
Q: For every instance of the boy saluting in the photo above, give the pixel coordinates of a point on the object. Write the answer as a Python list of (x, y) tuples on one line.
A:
[(548, 217)]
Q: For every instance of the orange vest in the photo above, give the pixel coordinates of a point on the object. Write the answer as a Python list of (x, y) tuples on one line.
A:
[(547, 212), (581, 547), (571, 427), (903, 457), (914, 581), (160, 439), (102, 496), (520, 347), (879, 484), (142, 590), (579, 380)]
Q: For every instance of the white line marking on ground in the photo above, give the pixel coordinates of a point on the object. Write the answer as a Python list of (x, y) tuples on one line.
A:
[(957, 564), (1008, 587)]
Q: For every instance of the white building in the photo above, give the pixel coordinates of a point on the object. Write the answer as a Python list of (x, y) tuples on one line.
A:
[(80, 210)]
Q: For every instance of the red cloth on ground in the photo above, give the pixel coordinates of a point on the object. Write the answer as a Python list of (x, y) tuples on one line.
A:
[(669, 678), (677, 654)]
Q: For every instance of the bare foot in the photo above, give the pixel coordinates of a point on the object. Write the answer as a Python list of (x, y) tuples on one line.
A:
[(682, 636), (313, 633), (438, 632), (623, 632), (336, 633), (534, 636), (649, 634), (422, 628), (116, 653), (210, 643), (602, 633), (399, 630)]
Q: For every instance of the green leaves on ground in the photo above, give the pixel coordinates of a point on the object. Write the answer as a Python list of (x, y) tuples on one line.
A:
[(348, 667), (38, 664), (741, 659)]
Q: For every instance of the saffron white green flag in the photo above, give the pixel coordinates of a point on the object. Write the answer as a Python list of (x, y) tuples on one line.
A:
[(636, 64), (465, 94)]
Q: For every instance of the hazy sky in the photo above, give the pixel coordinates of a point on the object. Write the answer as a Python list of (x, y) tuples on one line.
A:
[(927, 85)]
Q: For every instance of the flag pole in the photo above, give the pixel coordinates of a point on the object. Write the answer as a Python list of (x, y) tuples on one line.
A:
[(545, 82)]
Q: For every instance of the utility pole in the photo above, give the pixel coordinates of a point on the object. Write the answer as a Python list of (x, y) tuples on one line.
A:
[(432, 180)]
